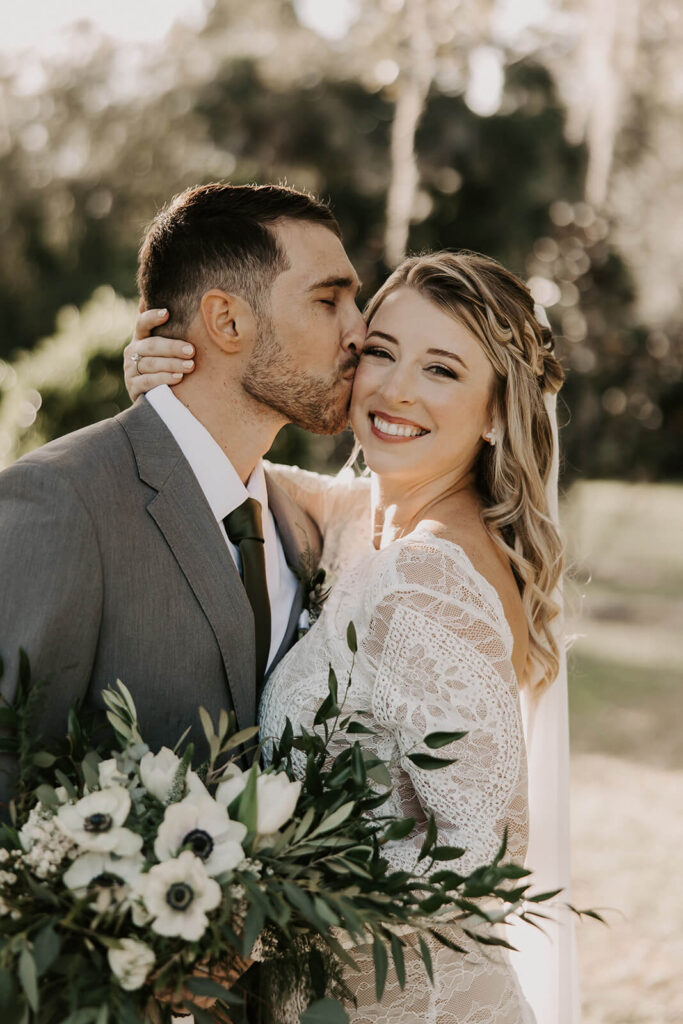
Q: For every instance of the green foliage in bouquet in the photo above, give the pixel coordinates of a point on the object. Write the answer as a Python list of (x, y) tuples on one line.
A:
[(131, 883)]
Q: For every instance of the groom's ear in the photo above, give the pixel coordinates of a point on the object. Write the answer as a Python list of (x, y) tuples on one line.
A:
[(228, 320)]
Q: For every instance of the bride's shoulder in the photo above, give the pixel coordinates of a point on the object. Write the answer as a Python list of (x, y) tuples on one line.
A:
[(459, 563), (428, 556)]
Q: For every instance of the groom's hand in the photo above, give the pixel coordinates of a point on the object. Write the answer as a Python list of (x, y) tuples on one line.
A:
[(149, 361)]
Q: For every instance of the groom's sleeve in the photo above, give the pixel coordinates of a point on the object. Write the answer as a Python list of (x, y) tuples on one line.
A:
[(50, 590)]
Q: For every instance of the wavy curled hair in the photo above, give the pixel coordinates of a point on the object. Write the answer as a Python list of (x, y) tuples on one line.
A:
[(512, 475)]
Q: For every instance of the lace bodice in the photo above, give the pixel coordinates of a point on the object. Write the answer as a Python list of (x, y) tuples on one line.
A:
[(434, 654)]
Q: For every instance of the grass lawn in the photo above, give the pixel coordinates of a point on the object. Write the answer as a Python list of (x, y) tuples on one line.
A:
[(626, 706)]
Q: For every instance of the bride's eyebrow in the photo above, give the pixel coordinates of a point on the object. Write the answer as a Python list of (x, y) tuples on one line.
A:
[(449, 355), (382, 334)]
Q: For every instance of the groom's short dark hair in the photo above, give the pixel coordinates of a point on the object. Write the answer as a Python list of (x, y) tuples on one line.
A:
[(217, 236)]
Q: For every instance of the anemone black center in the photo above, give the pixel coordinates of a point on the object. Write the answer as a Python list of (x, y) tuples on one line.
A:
[(200, 842), (106, 880), (179, 896), (98, 823)]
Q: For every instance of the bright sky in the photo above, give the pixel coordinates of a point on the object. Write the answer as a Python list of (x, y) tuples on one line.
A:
[(35, 24)]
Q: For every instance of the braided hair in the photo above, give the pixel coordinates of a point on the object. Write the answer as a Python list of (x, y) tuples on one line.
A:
[(511, 476)]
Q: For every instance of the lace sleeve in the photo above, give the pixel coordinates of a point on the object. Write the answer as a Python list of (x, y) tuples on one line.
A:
[(327, 499), (439, 649)]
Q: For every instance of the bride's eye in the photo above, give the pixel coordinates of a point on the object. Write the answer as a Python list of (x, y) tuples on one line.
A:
[(443, 371), (374, 350), (328, 302)]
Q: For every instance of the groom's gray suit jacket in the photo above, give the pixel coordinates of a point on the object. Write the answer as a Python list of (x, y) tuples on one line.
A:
[(112, 565)]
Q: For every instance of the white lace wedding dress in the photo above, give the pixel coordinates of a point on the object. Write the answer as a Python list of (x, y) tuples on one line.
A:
[(434, 653)]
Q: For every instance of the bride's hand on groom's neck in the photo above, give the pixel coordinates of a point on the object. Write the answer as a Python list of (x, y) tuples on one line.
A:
[(149, 361)]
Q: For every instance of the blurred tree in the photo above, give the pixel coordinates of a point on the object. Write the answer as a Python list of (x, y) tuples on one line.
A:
[(89, 153)]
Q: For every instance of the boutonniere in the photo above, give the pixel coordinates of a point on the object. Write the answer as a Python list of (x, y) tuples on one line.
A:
[(312, 578)]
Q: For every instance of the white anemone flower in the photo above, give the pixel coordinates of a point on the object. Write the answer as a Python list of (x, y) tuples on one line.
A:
[(177, 894), (276, 801), (234, 781), (102, 868), (157, 772), (95, 822), (203, 826), (131, 963), (276, 797)]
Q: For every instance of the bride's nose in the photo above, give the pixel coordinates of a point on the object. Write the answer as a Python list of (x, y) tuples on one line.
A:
[(398, 386)]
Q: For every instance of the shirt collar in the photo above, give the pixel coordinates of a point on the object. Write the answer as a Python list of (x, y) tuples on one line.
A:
[(214, 471)]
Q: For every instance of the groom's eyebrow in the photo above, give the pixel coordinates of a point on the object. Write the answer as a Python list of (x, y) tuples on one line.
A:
[(337, 282)]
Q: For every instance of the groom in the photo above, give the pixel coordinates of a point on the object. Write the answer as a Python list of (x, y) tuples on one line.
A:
[(152, 546)]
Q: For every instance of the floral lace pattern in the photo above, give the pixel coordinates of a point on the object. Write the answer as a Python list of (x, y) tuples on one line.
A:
[(434, 653)]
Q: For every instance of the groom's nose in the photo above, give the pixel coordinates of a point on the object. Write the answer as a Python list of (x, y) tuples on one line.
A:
[(353, 333)]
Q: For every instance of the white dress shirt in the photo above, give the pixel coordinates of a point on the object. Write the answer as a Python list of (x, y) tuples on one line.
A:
[(224, 492)]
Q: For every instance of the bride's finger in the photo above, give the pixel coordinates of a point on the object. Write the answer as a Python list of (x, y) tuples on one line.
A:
[(147, 321), (162, 364), (163, 348), (141, 383)]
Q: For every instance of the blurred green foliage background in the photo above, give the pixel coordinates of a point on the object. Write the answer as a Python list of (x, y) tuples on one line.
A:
[(95, 142)]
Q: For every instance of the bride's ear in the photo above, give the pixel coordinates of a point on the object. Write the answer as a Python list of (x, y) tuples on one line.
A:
[(228, 321)]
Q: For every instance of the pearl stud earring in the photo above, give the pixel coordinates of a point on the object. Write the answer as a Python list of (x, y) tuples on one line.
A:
[(491, 437)]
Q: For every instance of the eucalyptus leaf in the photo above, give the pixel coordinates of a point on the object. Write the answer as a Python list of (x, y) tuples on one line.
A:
[(46, 946), (429, 839), (434, 740), (448, 853), (429, 763), (28, 977), (304, 824), (358, 727), (398, 830), (325, 1011), (399, 961), (351, 638), (332, 684), (426, 958), (128, 699), (445, 941), (48, 797), (243, 736), (380, 774), (207, 724), (253, 926), (119, 726), (381, 961), (43, 759), (67, 783), (209, 987)]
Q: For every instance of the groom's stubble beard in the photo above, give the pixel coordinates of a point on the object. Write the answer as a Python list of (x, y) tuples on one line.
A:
[(310, 402)]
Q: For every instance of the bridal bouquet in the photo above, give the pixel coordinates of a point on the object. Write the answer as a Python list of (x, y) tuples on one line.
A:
[(134, 885)]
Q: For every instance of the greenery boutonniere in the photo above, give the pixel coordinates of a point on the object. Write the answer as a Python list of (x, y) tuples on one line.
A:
[(312, 578)]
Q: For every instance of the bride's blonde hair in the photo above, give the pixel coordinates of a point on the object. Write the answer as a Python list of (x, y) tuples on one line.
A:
[(511, 475)]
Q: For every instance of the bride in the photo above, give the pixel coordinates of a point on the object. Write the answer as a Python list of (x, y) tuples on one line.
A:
[(448, 561)]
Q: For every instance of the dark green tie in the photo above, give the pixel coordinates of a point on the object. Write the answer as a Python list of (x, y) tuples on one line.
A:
[(245, 529)]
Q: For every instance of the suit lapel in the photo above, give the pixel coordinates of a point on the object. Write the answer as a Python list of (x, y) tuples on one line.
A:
[(302, 546), (184, 517)]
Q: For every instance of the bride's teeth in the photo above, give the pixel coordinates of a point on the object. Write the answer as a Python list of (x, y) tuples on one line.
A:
[(396, 429)]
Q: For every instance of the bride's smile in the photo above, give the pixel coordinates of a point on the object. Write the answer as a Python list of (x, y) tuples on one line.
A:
[(421, 396)]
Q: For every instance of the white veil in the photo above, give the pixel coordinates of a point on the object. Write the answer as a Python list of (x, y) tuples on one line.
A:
[(546, 964)]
